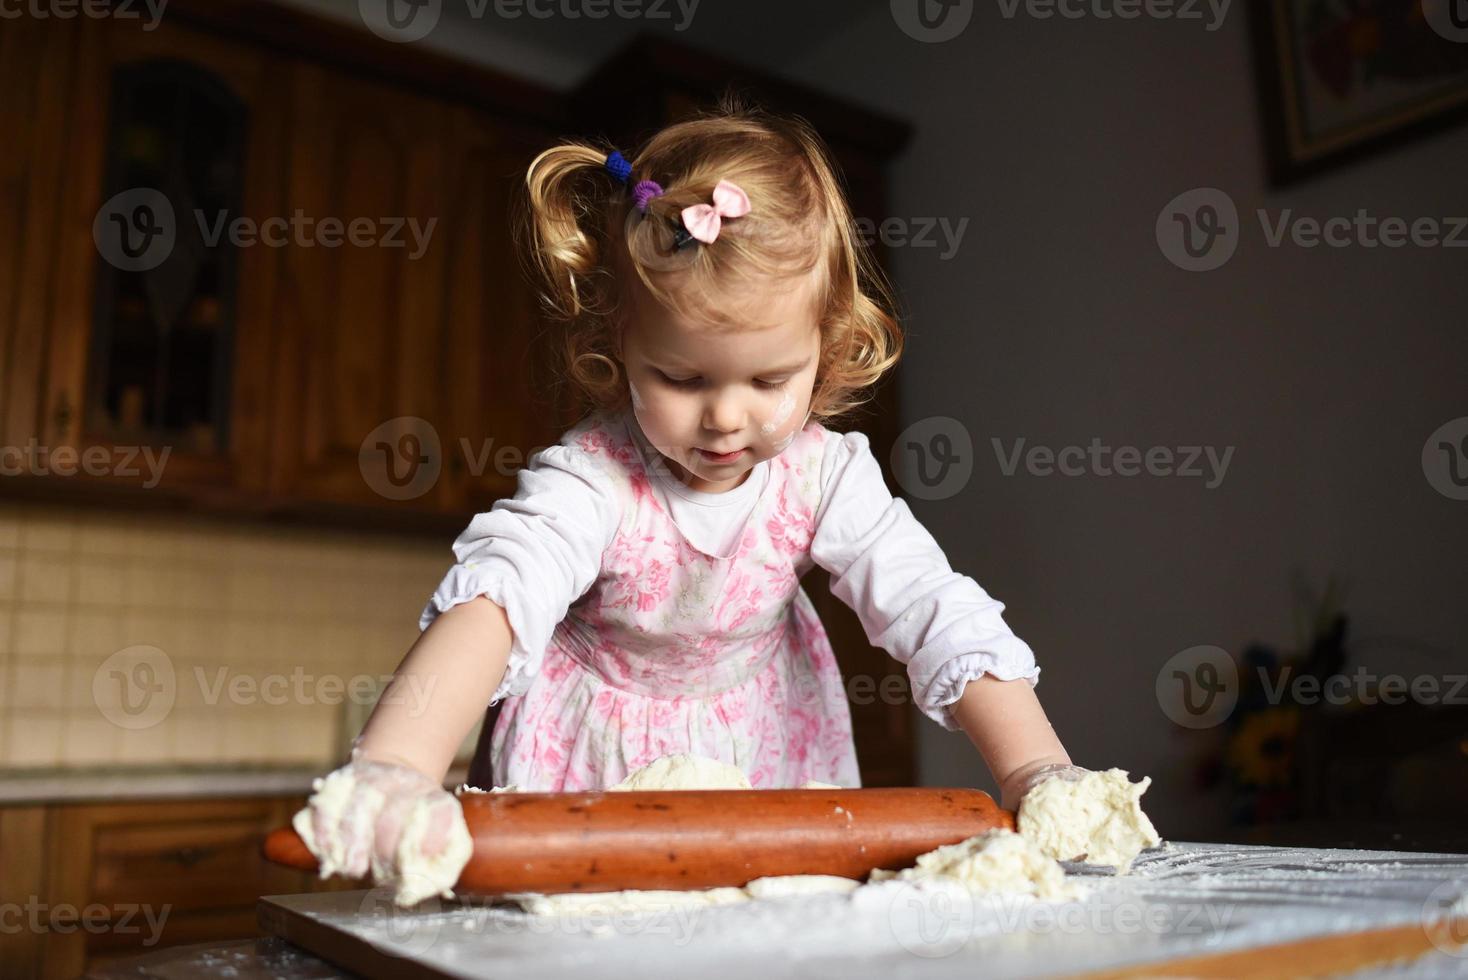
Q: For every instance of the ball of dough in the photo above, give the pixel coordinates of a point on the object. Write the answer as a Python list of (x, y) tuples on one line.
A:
[(1097, 818), (684, 771)]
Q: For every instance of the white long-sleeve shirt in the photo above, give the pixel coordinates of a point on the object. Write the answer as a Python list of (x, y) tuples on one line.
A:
[(536, 553)]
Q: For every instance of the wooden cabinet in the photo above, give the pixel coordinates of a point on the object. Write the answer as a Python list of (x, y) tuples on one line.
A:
[(362, 345), (374, 325), (105, 881), (501, 404), (54, 393)]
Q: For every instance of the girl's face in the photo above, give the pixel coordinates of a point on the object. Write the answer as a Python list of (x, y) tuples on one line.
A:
[(715, 403)]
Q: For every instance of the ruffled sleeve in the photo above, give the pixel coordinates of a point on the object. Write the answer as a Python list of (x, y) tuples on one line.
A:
[(887, 567), (534, 554)]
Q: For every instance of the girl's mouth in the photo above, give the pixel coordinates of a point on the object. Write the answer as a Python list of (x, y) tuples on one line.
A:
[(721, 458)]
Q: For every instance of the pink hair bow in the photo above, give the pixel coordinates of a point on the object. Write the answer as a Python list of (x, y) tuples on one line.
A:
[(703, 220)]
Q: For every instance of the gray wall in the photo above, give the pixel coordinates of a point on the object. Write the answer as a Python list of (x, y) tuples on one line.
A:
[(1059, 320)]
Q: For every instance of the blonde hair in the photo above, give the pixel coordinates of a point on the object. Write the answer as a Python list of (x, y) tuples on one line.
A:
[(586, 239)]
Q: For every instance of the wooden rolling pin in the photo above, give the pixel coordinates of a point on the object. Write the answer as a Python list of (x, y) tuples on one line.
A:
[(687, 839)]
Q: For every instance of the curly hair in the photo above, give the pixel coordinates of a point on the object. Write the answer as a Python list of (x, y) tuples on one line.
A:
[(587, 241)]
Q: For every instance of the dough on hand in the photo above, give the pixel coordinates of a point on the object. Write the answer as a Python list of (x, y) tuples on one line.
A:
[(1097, 818), (997, 860), (420, 875)]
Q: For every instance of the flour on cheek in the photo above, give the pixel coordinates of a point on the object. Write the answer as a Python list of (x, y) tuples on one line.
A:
[(781, 416)]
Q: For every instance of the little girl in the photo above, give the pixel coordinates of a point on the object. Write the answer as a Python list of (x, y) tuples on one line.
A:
[(640, 595)]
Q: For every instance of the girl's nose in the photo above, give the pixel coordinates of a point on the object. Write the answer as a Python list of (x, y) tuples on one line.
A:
[(723, 413)]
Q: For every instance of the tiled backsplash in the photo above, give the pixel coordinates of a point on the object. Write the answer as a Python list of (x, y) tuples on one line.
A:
[(253, 629)]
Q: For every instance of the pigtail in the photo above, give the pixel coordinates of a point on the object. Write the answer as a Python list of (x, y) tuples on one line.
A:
[(565, 221), (570, 202)]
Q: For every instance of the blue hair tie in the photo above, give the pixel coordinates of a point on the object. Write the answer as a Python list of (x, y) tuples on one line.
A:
[(618, 166), (645, 191)]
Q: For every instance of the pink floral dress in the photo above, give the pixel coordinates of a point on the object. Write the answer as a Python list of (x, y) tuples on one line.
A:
[(675, 650)]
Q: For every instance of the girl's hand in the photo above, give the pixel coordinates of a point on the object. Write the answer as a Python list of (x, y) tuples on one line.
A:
[(1026, 778), (391, 820)]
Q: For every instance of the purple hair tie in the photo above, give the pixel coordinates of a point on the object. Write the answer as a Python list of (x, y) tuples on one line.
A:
[(645, 191)]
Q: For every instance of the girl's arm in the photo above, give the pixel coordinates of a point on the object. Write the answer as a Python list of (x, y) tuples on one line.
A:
[(1005, 722), (440, 689), (968, 671)]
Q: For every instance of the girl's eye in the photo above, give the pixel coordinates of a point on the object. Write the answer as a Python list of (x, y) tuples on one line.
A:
[(771, 385), (679, 382)]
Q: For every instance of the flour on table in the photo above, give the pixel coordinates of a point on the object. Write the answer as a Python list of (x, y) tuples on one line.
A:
[(1097, 817), (630, 900), (997, 860)]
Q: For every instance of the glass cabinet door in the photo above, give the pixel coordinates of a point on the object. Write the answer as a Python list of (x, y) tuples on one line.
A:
[(159, 361)]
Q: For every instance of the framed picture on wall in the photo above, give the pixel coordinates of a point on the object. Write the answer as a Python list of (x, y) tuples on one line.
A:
[(1340, 79)]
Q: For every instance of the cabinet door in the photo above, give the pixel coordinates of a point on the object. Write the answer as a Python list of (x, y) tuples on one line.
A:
[(195, 867), (501, 406), (361, 354), (36, 65), (123, 347)]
